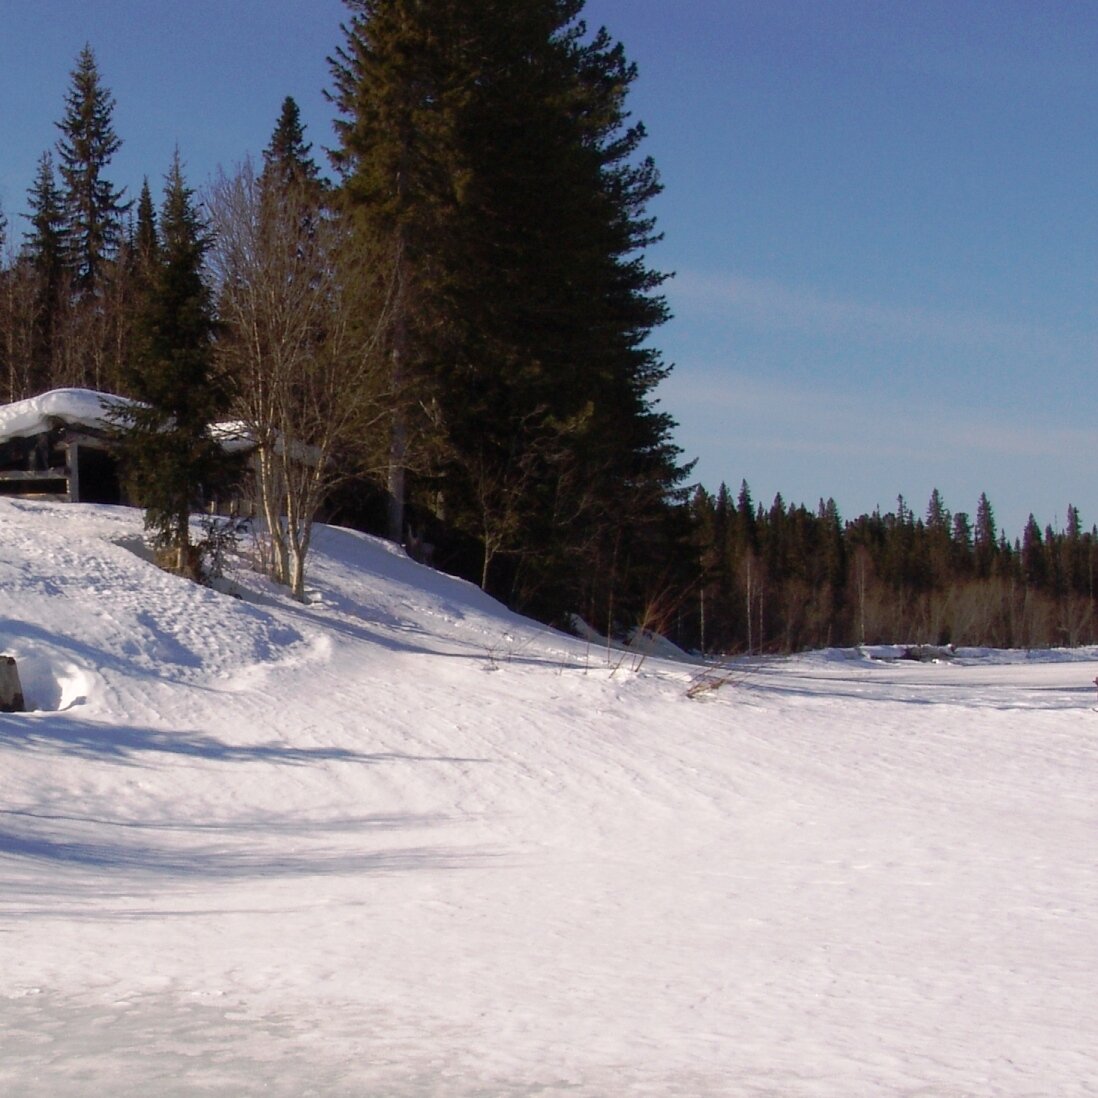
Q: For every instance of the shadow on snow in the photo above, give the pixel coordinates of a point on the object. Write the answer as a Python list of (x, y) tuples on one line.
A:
[(72, 736)]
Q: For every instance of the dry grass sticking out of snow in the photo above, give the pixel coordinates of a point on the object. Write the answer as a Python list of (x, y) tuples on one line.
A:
[(398, 841)]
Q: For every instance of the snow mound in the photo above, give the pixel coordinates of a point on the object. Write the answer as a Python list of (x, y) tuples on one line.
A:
[(51, 684)]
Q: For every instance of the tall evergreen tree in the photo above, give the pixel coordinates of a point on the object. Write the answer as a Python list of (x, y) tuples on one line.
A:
[(45, 246), (133, 274), (396, 134), (288, 155), (6, 318), (45, 242), (172, 457), (485, 151), (984, 536), (93, 205), (146, 241), (1034, 561)]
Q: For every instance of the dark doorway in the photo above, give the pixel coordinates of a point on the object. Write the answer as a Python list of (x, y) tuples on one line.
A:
[(99, 480)]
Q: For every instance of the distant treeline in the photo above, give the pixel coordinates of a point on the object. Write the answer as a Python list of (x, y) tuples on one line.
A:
[(788, 578)]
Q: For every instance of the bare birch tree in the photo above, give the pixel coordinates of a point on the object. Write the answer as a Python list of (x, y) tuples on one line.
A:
[(310, 382)]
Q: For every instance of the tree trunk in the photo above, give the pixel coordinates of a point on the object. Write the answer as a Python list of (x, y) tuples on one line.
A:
[(398, 442)]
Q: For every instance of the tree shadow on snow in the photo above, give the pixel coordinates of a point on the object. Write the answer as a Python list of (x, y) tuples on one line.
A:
[(73, 736), (218, 863), (246, 848)]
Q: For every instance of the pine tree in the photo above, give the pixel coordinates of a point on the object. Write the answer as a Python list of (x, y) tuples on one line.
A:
[(287, 156), (146, 241), (961, 545), (937, 515), (45, 246), (93, 206), (128, 290), (984, 537), (395, 134), (484, 152), (45, 242), (1034, 562), (173, 461)]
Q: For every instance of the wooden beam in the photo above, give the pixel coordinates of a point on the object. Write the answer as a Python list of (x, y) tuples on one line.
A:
[(33, 474), (72, 451)]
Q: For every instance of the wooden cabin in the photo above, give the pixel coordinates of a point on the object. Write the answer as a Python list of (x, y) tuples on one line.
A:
[(58, 446)]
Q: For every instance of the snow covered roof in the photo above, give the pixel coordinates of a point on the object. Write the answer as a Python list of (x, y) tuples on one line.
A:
[(88, 408), (81, 407)]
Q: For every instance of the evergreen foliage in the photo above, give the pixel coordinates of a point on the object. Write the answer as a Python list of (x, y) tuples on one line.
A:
[(45, 253), (172, 459), (93, 205), (789, 579), (6, 278), (45, 243), (146, 242), (288, 155), (486, 158)]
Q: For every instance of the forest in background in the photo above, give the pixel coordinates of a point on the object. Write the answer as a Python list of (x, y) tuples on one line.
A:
[(788, 578), (459, 329)]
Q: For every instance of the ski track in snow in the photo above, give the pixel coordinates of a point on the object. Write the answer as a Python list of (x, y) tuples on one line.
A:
[(398, 841)]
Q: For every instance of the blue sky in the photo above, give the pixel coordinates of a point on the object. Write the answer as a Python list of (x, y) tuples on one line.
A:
[(881, 215)]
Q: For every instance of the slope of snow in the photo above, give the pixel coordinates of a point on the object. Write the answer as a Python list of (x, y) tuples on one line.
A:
[(398, 841)]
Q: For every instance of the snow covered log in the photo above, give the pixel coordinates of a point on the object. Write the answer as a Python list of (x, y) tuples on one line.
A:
[(11, 692)]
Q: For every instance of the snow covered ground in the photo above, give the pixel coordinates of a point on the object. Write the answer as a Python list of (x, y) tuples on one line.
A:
[(400, 842)]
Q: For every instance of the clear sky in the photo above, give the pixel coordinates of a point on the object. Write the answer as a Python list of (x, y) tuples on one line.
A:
[(882, 215)]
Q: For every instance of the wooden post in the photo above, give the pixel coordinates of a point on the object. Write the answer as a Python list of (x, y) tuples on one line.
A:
[(11, 692), (72, 451)]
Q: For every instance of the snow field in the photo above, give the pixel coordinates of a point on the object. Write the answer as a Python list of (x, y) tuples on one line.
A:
[(399, 841)]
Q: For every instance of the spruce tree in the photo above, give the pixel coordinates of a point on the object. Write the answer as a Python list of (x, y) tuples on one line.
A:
[(396, 147), (984, 537), (45, 246), (45, 242), (93, 205), (1034, 562), (172, 460), (146, 242), (485, 153), (6, 318), (287, 156), (131, 283)]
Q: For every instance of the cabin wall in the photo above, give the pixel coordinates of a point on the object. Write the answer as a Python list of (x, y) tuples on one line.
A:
[(60, 464), (35, 467)]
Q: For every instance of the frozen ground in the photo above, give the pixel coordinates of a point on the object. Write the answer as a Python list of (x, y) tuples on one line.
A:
[(399, 842)]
